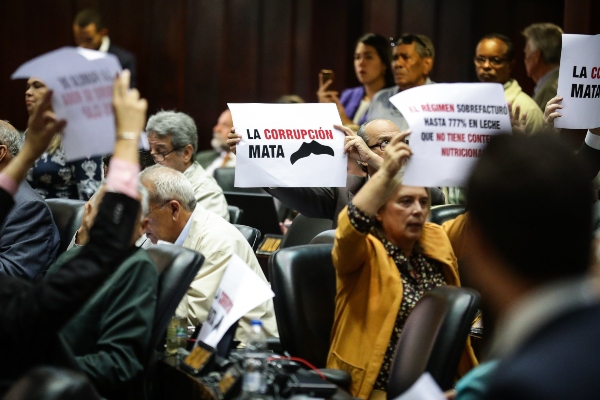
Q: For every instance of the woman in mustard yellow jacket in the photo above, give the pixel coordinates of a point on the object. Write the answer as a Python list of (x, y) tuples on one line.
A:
[(386, 256)]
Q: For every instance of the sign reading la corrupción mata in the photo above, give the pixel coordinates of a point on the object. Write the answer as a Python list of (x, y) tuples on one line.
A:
[(451, 124), (289, 145), (579, 82)]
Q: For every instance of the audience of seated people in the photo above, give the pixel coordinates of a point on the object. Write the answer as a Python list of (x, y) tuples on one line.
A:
[(175, 217), (99, 298), (173, 141), (29, 239)]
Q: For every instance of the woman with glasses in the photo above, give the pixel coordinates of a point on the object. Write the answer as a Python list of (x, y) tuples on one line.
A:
[(386, 257), (52, 175), (373, 71)]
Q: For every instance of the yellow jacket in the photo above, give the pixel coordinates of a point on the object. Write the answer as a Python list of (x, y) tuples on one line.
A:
[(369, 293)]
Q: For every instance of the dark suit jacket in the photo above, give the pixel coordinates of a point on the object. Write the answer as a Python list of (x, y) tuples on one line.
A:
[(559, 361), (547, 90), (6, 203), (109, 336), (127, 61), (31, 314), (327, 202), (29, 239)]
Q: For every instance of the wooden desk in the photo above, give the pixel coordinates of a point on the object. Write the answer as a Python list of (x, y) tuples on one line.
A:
[(172, 382)]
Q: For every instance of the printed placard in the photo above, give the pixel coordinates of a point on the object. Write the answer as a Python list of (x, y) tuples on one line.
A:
[(82, 84), (579, 82), (289, 145), (451, 124)]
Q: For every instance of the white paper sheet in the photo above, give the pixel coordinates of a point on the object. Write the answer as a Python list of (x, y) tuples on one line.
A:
[(289, 145), (579, 82), (451, 123), (240, 291), (82, 82), (425, 388)]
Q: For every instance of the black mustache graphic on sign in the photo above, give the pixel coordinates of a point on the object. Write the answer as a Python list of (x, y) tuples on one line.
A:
[(306, 149)]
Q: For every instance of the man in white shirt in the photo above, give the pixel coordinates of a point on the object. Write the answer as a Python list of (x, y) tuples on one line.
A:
[(220, 156), (175, 218), (173, 142)]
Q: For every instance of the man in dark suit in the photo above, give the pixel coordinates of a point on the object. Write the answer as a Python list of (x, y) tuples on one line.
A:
[(543, 44), (29, 239), (90, 32), (530, 245)]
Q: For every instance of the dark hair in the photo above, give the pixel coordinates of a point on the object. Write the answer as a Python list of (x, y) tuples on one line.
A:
[(423, 45), (533, 202), (510, 48), (383, 49), (89, 16), (52, 383), (146, 159)]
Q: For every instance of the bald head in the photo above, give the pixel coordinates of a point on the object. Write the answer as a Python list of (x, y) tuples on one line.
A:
[(377, 133)]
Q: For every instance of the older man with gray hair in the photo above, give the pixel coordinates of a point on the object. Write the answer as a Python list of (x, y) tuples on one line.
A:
[(173, 141), (175, 217), (542, 59), (29, 239)]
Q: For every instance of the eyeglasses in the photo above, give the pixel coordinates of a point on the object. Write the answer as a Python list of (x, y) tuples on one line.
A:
[(495, 62), (157, 207), (409, 38), (382, 145), (160, 157)]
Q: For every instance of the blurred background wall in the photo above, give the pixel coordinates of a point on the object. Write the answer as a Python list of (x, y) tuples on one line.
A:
[(196, 55)]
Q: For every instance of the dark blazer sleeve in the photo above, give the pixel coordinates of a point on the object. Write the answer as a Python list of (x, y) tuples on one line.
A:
[(28, 311), (6, 203), (127, 61), (318, 202), (590, 158), (125, 327), (29, 241)]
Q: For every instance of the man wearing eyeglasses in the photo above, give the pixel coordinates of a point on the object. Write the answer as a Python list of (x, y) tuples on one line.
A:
[(494, 61), (412, 61), (173, 139)]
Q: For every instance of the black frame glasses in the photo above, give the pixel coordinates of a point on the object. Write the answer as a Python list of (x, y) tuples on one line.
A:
[(382, 145), (160, 157), (495, 62)]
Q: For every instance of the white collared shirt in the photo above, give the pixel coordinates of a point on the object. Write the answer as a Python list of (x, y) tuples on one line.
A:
[(184, 233)]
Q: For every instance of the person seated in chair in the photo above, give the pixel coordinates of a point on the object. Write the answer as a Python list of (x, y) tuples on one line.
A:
[(109, 336), (386, 257), (29, 239), (175, 217)]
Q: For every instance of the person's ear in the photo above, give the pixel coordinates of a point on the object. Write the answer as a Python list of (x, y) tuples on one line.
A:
[(104, 31), (175, 208), (3, 152), (428, 65), (188, 153)]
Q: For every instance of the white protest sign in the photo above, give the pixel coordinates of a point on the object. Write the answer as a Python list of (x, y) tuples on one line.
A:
[(240, 291), (451, 124), (82, 82), (579, 82), (289, 145), (425, 388)]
